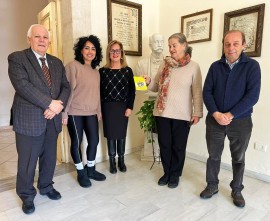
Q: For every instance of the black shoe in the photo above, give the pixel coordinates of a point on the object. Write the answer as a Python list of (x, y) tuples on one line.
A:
[(83, 178), (173, 182), (28, 207), (52, 194), (163, 180), (121, 164), (95, 175), (238, 199), (209, 191)]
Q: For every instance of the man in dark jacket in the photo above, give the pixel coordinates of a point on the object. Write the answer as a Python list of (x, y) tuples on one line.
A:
[(231, 89), (41, 92)]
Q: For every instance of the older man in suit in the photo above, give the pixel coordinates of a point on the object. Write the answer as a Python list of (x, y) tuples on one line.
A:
[(41, 93)]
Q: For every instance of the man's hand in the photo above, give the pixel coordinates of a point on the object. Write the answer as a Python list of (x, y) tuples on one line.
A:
[(229, 115), (56, 106), (222, 119), (48, 114)]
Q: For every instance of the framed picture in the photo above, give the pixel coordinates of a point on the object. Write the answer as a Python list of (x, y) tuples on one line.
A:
[(125, 25), (250, 22), (197, 27)]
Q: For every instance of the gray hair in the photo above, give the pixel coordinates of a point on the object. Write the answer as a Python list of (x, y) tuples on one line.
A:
[(182, 40), (29, 32)]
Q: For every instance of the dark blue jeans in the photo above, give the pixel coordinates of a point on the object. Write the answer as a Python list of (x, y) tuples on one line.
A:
[(238, 133)]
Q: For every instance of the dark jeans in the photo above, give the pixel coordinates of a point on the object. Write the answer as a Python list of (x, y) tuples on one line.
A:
[(172, 140), (238, 133)]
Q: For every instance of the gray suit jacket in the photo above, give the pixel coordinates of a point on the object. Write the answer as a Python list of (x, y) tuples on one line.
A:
[(32, 93)]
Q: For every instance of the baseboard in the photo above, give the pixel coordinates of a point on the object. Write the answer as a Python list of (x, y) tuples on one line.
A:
[(5, 128), (227, 166)]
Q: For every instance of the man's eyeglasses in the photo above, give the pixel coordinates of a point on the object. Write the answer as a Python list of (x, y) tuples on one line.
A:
[(117, 51)]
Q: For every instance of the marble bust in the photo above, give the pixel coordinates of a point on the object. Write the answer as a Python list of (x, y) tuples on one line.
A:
[(149, 66)]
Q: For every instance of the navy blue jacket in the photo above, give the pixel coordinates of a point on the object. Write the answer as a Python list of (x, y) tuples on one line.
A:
[(236, 90)]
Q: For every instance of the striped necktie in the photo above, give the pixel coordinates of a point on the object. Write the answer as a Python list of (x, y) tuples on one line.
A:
[(46, 71)]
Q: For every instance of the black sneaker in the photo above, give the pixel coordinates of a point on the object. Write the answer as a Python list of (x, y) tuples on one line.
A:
[(209, 191), (163, 180), (238, 199)]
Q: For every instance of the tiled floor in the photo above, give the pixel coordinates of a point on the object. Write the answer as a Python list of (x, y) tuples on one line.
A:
[(134, 195)]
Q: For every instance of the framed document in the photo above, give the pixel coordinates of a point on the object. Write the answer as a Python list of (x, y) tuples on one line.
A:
[(197, 27), (250, 22), (125, 25)]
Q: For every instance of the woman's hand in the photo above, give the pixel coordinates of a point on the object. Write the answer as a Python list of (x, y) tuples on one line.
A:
[(147, 79), (194, 120), (128, 112), (99, 116), (64, 121)]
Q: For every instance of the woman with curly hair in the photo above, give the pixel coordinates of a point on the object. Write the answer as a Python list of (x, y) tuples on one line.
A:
[(83, 110)]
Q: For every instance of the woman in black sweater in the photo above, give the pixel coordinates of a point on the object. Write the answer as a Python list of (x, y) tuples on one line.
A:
[(117, 98)]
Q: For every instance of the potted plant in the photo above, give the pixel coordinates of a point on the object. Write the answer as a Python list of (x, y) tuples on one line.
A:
[(148, 124)]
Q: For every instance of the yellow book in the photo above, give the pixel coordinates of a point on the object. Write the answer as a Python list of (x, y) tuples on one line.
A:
[(140, 83)]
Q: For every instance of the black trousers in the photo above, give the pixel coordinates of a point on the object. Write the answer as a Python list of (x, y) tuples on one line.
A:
[(30, 150), (238, 133), (76, 126), (172, 139)]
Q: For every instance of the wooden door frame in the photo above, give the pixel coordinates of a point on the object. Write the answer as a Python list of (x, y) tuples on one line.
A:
[(53, 9)]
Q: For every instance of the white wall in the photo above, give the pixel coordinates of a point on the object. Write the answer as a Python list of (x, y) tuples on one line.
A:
[(16, 18), (207, 52)]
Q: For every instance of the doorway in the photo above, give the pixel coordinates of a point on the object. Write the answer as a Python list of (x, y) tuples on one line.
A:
[(51, 19)]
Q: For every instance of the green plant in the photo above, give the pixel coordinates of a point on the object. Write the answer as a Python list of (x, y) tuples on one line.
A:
[(147, 120), (148, 124)]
